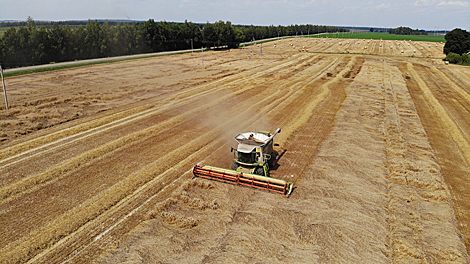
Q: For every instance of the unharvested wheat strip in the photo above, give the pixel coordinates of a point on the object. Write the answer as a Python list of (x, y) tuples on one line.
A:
[(453, 130), (299, 85), (328, 100), (166, 172), (317, 72), (325, 98)]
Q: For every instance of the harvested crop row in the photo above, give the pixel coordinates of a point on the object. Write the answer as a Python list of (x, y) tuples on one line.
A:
[(378, 47)]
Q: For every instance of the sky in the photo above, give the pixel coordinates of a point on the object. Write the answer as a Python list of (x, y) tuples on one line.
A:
[(416, 14)]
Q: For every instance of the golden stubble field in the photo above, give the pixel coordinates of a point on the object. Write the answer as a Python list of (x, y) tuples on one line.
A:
[(95, 162)]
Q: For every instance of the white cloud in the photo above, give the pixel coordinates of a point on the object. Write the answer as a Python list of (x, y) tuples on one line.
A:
[(425, 2), (308, 3), (455, 3), (383, 6)]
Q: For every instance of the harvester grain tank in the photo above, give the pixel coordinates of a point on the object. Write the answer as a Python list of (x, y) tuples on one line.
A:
[(253, 159)]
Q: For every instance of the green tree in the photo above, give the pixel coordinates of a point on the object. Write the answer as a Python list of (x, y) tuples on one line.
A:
[(79, 49), (24, 53), (107, 41), (10, 42), (457, 41), (94, 40), (154, 35), (453, 58), (465, 59), (58, 43), (220, 34), (41, 47)]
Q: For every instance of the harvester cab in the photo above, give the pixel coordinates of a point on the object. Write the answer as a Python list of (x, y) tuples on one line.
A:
[(253, 158), (255, 152)]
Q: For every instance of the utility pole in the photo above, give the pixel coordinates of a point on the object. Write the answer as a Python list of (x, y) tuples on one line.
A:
[(191, 46), (4, 89)]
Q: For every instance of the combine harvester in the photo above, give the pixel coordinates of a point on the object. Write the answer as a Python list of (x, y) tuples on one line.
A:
[(254, 157)]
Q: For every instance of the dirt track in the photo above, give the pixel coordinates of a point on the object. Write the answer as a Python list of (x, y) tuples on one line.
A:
[(95, 161)]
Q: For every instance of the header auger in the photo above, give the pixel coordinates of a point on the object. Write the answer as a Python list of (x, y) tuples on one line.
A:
[(253, 159)]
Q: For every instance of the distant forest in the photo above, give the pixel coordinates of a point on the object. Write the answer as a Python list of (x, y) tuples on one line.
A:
[(406, 31), (32, 43)]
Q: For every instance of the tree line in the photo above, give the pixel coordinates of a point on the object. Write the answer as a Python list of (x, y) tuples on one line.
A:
[(406, 31), (457, 47), (33, 45)]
